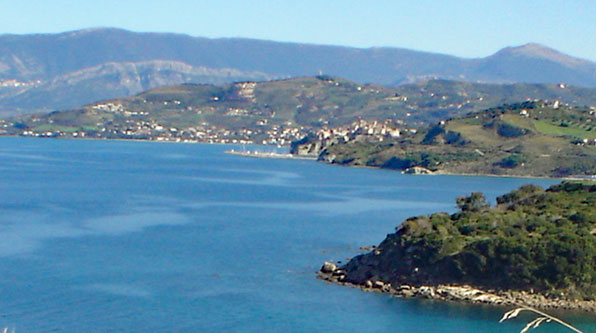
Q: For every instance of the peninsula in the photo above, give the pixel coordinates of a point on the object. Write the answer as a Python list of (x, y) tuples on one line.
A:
[(535, 247), (534, 138)]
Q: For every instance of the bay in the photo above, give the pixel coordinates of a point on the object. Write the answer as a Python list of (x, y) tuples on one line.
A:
[(118, 236)]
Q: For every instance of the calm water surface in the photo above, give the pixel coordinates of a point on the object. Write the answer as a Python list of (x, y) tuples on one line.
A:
[(100, 236)]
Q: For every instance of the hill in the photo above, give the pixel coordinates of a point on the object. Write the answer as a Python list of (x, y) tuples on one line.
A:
[(109, 80), (534, 241), (276, 112), (534, 138), (32, 67)]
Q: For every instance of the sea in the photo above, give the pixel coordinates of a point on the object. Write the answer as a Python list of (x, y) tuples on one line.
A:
[(123, 236)]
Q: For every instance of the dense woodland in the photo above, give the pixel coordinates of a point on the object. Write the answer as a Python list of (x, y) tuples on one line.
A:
[(534, 239)]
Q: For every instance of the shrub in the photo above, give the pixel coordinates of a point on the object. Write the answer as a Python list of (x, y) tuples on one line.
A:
[(512, 161), (431, 136), (472, 203), (408, 160), (510, 131)]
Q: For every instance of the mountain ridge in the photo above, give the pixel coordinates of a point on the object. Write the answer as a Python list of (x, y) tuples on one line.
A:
[(106, 80), (529, 46), (542, 51), (43, 57)]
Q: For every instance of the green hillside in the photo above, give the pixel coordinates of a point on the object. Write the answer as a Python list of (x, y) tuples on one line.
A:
[(524, 139), (533, 240), (277, 112)]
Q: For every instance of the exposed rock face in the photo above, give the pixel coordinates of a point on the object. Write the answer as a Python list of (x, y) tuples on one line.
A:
[(327, 158), (316, 142), (418, 171), (307, 147), (456, 293), (312, 145), (41, 61), (328, 267), (113, 79)]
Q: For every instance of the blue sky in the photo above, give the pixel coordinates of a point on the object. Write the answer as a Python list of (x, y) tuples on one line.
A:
[(463, 28)]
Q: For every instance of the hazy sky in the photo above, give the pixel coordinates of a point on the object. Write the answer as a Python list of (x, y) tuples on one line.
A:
[(468, 28)]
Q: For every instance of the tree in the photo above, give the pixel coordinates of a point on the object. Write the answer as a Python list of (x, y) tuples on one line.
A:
[(473, 203)]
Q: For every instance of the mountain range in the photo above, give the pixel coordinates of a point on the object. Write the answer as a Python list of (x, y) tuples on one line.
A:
[(43, 72)]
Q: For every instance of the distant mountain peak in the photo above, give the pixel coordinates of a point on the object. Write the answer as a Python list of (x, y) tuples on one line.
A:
[(91, 30), (533, 47), (93, 63), (535, 50), (538, 50)]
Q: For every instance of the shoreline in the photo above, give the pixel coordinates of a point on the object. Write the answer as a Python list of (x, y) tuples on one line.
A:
[(311, 158), (445, 173), (458, 293), (264, 154)]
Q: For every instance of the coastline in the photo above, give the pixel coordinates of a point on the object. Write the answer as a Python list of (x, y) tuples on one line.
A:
[(312, 158), (445, 173), (264, 154), (458, 293)]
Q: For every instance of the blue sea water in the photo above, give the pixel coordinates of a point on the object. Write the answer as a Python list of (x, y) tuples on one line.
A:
[(115, 236)]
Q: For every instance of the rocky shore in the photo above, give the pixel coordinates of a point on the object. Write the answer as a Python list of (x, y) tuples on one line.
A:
[(332, 273)]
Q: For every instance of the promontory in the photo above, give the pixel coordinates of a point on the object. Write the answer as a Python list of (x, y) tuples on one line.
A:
[(535, 247)]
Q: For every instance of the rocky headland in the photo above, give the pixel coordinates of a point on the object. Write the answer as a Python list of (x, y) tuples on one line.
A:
[(535, 248), (534, 138), (457, 293)]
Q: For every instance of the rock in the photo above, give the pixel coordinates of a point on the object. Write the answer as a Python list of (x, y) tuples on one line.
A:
[(487, 298), (379, 284), (328, 267), (426, 291), (327, 158), (406, 293), (463, 293), (417, 170), (338, 272)]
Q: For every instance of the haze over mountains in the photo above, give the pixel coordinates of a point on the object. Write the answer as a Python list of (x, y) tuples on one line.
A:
[(66, 70)]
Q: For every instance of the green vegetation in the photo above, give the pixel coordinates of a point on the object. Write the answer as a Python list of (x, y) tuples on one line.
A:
[(307, 103), (510, 131), (412, 159), (518, 139), (563, 129), (511, 161), (532, 240)]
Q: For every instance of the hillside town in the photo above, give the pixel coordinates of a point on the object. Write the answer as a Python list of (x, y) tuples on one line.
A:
[(360, 130), (371, 130), (154, 131), (137, 126)]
